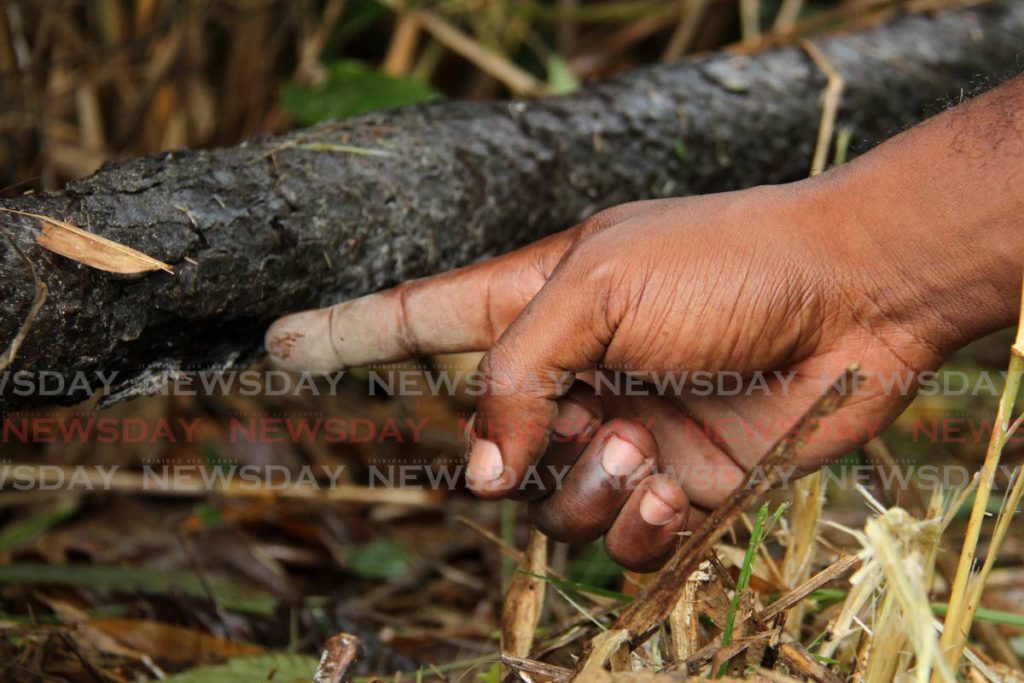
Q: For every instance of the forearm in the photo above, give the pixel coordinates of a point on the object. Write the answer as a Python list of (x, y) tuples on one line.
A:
[(935, 218)]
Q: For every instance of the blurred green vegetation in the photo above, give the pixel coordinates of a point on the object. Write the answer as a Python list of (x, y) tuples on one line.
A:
[(351, 88)]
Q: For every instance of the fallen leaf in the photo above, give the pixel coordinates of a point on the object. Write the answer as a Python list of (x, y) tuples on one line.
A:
[(85, 247), (167, 642)]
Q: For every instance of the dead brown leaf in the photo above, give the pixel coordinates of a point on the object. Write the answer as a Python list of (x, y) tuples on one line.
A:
[(170, 643), (70, 241)]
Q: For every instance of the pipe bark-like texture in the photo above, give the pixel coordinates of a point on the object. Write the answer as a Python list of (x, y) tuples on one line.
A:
[(310, 218)]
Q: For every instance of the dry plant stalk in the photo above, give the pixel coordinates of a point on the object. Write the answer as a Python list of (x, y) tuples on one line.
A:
[(795, 596), (401, 53), (524, 600), (683, 620), (892, 587), (965, 595), (880, 455), (690, 20), (41, 292), (517, 80), (750, 21), (604, 646), (833, 92), (786, 18), (904, 548), (808, 500)]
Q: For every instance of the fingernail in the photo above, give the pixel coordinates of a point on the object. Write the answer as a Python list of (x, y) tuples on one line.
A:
[(485, 463), (619, 458), (572, 419), (655, 511)]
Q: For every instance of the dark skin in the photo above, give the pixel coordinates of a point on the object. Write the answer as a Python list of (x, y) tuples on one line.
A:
[(892, 261)]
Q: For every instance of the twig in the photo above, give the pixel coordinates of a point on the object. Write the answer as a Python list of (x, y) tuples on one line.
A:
[(518, 556), (750, 21), (204, 581), (644, 614), (402, 50), (785, 20), (91, 668), (310, 69), (535, 668), (515, 79), (800, 661), (878, 452), (603, 647), (706, 654), (11, 352), (797, 594), (340, 653), (686, 29), (833, 91)]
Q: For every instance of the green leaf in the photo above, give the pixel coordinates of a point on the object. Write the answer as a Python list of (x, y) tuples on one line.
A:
[(765, 520), (561, 79), (570, 586), (352, 88), (209, 515), (492, 675), (992, 616), (380, 560), (280, 668)]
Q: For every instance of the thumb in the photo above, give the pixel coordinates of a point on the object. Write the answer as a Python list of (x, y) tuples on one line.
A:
[(564, 330)]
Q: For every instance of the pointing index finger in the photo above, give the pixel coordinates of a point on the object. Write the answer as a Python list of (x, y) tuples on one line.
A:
[(461, 310)]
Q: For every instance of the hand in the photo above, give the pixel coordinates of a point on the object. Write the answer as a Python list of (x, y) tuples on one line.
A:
[(892, 261), (750, 282)]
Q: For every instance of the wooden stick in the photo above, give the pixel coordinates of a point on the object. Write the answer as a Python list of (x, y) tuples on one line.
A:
[(664, 592), (793, 597), (340, 653), (800, 662)]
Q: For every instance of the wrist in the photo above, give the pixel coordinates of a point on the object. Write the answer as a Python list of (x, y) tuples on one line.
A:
[(931, 239)]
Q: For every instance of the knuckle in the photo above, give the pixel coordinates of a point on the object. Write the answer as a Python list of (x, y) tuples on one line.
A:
[(594, 224), (497, 369), (602, 220), (405, 335)]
